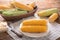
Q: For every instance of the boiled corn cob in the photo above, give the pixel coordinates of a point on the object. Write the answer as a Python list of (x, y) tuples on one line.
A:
[(35, 22), (34, 29), (53, 17)]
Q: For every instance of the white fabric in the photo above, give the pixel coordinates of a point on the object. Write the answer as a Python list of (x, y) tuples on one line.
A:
[(53, 34)]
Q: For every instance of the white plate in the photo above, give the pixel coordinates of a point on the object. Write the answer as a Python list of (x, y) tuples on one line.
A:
[(34, 34)]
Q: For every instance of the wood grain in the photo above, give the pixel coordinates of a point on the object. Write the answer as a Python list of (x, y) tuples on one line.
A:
[(5, 36), (56, 3)]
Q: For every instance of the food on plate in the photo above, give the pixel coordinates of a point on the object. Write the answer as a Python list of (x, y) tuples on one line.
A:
[(47, 12), (13, 12), (35, 22), (34, 26), (22, 6), (3, 26), (34, 29), (53, 17)]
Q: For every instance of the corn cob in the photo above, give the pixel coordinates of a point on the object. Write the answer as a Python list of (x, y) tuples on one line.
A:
[(35, 22), (47, 12), (53, 17), (34, 29), (22, 6)]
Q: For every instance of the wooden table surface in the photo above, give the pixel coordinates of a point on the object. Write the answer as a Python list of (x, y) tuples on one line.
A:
[(5, 36)]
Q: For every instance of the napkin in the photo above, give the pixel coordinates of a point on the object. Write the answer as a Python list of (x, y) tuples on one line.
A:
[(54, 31)]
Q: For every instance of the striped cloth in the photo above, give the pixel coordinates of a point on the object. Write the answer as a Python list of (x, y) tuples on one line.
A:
[(54, 31)]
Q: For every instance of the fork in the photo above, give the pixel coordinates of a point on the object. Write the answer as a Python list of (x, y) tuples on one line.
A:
[(13, 31)]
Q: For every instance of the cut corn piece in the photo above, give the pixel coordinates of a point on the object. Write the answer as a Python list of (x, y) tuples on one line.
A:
[(35, 22), (53, 17), (34, 29)]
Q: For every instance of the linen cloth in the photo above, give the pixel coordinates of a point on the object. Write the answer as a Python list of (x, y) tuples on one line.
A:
[(54, 31)]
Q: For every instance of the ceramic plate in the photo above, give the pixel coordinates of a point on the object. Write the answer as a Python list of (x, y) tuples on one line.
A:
[(34, 34)]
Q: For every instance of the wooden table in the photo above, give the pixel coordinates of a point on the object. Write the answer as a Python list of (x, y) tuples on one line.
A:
[(5, 36)]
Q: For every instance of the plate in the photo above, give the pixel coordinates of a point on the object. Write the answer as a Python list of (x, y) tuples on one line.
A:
[(34, 34)]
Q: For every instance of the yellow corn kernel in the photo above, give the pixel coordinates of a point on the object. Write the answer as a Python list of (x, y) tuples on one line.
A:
[(22, 6), (34, 29), (35, 22), (53, 17)]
